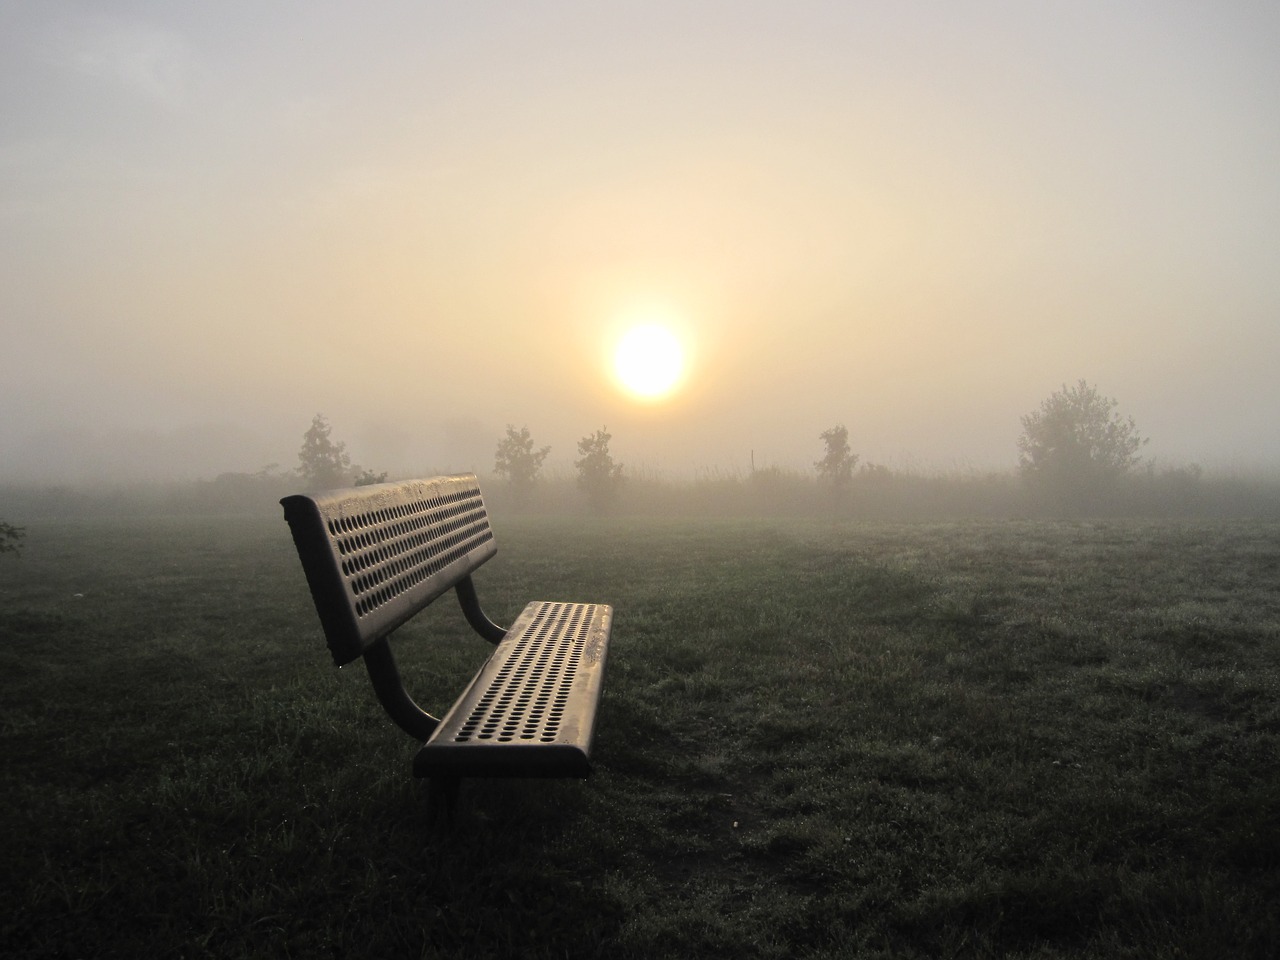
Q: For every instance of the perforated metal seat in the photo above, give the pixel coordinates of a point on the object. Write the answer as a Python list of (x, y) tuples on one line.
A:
[(531, 709)]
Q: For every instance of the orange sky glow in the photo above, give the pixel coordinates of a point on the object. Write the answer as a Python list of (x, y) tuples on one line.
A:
[(431, 221)]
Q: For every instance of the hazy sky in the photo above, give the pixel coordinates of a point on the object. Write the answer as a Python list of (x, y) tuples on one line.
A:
[(429, 220)]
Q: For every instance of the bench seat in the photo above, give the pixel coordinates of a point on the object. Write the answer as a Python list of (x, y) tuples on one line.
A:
[(531, 710)]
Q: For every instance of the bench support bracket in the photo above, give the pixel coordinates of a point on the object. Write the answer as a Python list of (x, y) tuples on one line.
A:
[(466, 590), (385, 675)]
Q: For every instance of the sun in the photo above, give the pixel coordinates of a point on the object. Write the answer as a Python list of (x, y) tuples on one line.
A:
[(649, 362)]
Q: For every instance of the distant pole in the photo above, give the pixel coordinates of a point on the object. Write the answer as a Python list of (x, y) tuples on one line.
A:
[(753, 463)]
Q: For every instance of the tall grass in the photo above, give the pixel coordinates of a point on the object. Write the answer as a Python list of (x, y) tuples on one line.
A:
[(976, 738)]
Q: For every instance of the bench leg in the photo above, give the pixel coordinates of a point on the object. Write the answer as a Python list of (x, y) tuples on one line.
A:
[(442, 798)]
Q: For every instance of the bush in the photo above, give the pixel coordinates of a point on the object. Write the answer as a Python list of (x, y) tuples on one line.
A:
[(1075, 448)]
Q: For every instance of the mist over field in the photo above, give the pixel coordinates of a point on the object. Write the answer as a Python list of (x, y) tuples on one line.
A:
[(903, 375), (428, 222)]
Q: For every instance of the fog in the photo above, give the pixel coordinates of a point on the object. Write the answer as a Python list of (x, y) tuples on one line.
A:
[(428, 221)]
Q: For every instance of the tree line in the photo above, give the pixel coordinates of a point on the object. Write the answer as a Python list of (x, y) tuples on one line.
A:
[(1073, 449), (323, 463), (1073, 453), (1077, 456)]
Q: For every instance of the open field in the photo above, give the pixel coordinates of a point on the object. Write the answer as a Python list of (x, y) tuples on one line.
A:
[(988, 738)]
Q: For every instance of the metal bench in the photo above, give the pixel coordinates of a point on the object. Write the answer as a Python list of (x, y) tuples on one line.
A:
[(374, 556)]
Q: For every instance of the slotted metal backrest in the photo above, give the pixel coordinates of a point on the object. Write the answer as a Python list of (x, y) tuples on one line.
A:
[(376, 555)]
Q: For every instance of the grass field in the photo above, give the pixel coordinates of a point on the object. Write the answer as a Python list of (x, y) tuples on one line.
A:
[(1036, 739)]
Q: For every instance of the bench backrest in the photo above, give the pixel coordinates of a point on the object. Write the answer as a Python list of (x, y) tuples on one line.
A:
[(376, 555)]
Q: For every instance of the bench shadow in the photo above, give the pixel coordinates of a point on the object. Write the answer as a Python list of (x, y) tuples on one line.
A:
[(508, 872)]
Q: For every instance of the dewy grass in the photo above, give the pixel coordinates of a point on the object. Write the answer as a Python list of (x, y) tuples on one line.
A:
[(1042, 739)]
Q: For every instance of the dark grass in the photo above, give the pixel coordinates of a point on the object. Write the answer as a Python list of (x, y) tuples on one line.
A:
[(968, 739)]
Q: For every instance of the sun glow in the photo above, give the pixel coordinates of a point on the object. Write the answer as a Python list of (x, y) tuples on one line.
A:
[(649, 362)]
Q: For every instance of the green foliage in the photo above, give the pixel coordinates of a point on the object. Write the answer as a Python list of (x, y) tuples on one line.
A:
[(836, 467), (1076, 446), (366, 478), (11, 537), (518, 461), (323, 463), (598, 476)]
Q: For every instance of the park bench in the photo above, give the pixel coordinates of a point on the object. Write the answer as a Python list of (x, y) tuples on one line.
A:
[(374, 556)]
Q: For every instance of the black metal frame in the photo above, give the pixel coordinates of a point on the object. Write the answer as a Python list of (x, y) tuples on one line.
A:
[(385, 674)]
